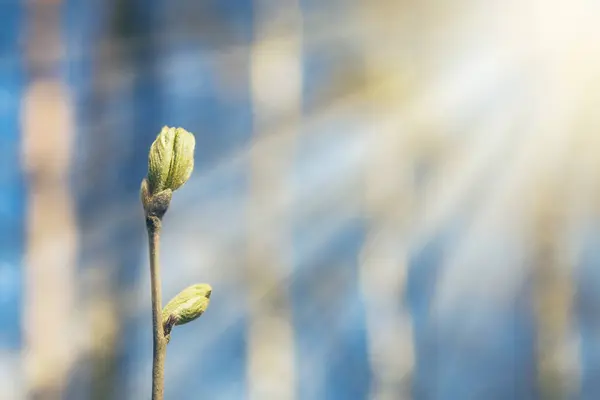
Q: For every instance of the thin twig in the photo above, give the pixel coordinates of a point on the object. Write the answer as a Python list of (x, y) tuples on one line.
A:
[(153, 225)]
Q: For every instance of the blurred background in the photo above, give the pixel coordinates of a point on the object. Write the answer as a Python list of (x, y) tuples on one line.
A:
[(391, 199)]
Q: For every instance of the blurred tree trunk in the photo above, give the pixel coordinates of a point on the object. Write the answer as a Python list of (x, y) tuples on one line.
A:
[(48, 134), (584, 217), (389, 195), (271, 370), (553, 287)]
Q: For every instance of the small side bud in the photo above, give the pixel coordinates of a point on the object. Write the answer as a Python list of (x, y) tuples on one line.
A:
[(171, 159), (188, 305)]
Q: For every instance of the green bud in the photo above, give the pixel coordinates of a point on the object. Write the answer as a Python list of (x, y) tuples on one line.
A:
[(188, 305), (171, 159)]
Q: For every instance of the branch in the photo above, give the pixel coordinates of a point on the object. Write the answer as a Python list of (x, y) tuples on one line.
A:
[(153, 225)]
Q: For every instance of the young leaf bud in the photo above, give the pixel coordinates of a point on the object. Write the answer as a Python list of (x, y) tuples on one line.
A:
[(171, 159), (188, 305)]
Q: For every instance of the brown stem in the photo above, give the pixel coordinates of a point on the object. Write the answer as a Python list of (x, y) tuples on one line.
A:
[(153, 225)]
